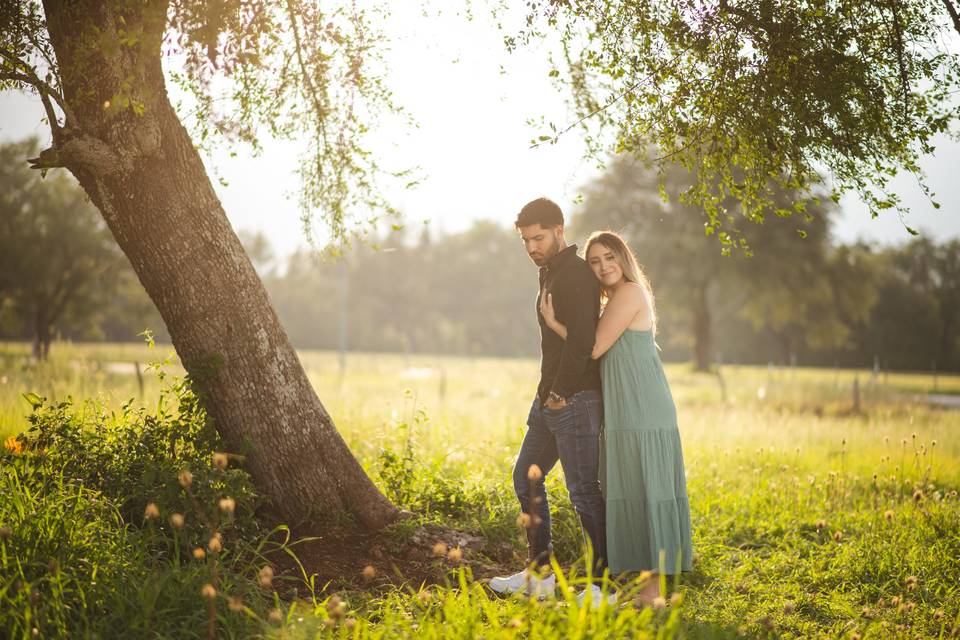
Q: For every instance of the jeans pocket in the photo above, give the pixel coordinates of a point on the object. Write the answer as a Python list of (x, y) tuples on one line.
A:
[(560, 420)]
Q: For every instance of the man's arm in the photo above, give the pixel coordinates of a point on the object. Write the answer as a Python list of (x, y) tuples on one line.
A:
[(579, 297)]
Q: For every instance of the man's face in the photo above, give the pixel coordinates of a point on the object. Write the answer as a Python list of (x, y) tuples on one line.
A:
[(542, 243)]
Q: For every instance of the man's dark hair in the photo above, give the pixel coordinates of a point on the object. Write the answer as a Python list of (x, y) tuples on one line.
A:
[(542, 211)]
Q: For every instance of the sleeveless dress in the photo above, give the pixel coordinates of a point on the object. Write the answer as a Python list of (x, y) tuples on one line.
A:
[(645, 488)]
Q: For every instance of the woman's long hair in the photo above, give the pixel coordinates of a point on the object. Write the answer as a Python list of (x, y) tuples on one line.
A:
[(628, 264)]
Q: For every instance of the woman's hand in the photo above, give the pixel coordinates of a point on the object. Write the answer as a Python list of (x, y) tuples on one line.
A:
[(550, 316)]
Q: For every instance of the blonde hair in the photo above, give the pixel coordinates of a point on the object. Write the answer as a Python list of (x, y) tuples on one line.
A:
[(632, 272)]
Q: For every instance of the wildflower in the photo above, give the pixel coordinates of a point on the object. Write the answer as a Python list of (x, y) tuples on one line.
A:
[(185, 478), (788, 607), (336, 606), (199, 554), (176, 520), (909, 606), (220, 461), (676, 599), (854, 636), (523, 520), (534, 473), (6, 532), (894, 601), (349, 623), (516, 623), (910, 582), (938, 614), (369, 572), (821, 524), (275, 616), (13, 445), (424, 597), (659, 603), (837, 535), (266, 576), (151, 512), (933, 443), (918, 495), (215, 543), (644, 577), (455, 555), (227, 505), (235, 603), (888, 515), (865, 612), (208, 591), (440, 549)]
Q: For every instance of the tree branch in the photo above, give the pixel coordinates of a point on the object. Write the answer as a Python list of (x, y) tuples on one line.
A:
[(46, 92), (952, 10), (44, 98)]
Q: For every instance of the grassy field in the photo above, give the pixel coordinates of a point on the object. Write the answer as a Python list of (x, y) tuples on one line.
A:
[(810, 519)]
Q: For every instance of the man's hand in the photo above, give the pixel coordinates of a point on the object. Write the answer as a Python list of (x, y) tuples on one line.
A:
[(555, 403)]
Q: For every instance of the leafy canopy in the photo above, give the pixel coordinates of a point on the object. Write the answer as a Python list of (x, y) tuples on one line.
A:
[(290, 69), (752, 96)]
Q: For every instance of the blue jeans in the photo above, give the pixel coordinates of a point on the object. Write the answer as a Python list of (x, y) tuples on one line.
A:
[(572, 436)]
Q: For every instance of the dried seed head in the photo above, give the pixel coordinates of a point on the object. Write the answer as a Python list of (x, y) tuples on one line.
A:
[(440, 549), (220, 461), (176, 520), (369, 572), (910, 606), (227, 505), (659, 603), (235, 603), (820, 524), (336, 607), (425, 597), (675, 599), (199, 554), (208, 591), (515, 623), (894, 601), (534, 473), (644, 577), (266, 576), (151, 512), (455, 555), (185, 478), (349, 623), (275, 615), (837, 535), (938, 614), (918, 495), (910, 582), (888, 515), (215, 543), (788, 607)]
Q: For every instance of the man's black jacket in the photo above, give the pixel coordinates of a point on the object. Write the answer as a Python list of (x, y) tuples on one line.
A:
[(565, 365)]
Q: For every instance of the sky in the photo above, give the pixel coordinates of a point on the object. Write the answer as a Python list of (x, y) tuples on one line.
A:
[(472, 100)]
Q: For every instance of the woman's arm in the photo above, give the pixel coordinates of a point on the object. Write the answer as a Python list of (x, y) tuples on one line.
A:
[(629, 300), (620, 311)]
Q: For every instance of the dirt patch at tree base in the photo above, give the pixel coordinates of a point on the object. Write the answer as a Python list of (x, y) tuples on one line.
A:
[(345, 559)]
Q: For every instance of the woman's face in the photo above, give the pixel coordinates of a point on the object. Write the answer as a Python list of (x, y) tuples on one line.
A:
[(604, 265)]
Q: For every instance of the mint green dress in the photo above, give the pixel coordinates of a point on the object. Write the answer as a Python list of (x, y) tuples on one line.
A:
[(645, 487)]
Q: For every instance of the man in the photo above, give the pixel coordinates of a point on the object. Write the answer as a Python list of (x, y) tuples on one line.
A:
[(564, 421)]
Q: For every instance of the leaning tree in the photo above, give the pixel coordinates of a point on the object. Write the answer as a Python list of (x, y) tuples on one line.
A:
[(250, 66)]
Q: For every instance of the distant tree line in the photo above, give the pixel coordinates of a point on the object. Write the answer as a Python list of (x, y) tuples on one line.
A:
[(793, 297)]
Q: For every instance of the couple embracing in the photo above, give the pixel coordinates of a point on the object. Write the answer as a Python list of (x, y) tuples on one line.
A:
[(604, 410)]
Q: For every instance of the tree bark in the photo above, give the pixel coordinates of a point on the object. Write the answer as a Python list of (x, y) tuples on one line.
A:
[(149, 182)]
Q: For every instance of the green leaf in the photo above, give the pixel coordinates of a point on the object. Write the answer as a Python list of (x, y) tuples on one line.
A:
[(34, 400)]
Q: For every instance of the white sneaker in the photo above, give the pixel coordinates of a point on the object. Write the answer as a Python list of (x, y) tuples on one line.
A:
[(595, 597), (525, 582)]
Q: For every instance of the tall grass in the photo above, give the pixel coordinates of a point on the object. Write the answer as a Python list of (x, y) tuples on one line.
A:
[(810, 519)]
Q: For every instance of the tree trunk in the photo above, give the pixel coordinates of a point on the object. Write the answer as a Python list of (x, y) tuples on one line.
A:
[(702, 332), (41, 333), (148, 181)]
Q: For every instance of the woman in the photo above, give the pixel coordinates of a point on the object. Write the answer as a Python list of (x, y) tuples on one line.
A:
[(648, 514)]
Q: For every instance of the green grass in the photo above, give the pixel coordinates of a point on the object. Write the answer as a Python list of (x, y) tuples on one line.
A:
[(807, 521)]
